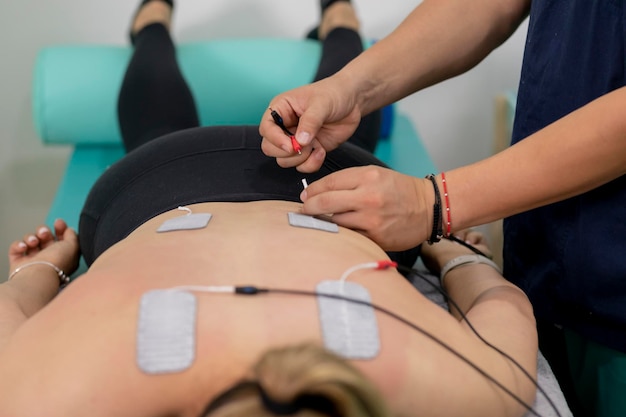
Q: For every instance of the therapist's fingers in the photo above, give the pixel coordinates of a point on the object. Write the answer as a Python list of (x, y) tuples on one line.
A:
[(310, 123), (277, 150), (286, 116), (388, 207), (353, 220), (275, 142), (315, 158), (278, 144), (333, 203), (344, 179), (328, 194), (309, 160), (295, 159)]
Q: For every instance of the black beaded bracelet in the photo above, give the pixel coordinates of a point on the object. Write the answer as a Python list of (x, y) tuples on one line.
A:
[(437, 232)]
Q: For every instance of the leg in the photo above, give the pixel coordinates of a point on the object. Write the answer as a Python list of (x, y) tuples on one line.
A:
[(154, 99), (341, 43)]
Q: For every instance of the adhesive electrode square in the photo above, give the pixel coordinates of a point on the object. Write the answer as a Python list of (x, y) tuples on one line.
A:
[(186, 222), (166, 331), (349, 329), (310, 222)]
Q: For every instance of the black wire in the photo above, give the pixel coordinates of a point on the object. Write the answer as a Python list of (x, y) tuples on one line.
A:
[(254, 290), (485, 341), (464, 317), (279, 121), (467, 245)]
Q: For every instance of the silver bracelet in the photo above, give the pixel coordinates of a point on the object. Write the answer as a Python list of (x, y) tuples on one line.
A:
[(64, 279), (465, 260)]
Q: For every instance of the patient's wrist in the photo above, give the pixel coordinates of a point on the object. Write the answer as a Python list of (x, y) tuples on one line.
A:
[(464, 261), (437, 255), (40, 269)]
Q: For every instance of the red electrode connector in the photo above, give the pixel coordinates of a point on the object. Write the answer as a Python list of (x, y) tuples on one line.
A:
[(279, 121), (386, 264)]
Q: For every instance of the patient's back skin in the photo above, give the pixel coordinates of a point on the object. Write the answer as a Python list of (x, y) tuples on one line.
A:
[(77, 356)]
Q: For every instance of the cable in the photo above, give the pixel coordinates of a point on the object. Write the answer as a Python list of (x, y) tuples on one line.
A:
[(485, 341), (368, 265), (279, 121), (467, 245), (252, 290), (384, 264)]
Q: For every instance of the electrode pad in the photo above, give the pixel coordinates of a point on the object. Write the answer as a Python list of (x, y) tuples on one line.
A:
[(166, 331), (186, 222), (349, 329), (310, 222)]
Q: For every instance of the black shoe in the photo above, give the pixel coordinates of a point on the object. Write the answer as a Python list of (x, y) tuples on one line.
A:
[(324, 4), (143, 3)]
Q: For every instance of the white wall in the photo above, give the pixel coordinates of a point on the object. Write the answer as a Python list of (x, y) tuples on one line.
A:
[(454, 118)]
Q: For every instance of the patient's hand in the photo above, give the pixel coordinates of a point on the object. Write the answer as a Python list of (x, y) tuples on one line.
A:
[(60, 248), (437, 255)]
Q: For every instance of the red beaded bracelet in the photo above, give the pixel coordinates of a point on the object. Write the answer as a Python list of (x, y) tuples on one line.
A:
[(447, 200)]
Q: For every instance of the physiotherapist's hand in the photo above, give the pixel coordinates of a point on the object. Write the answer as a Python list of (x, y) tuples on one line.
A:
[(390, 208), (322, 115)]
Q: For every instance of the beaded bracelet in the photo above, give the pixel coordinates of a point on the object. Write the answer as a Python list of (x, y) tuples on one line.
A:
[(437, 232), (447, 200), (64, 279)]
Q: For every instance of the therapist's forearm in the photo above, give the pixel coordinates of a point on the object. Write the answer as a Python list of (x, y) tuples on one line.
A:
[(578, 153), (438, 40)]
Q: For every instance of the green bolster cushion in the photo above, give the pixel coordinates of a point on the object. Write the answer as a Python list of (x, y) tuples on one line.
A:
[(76, 87), (75, 90)]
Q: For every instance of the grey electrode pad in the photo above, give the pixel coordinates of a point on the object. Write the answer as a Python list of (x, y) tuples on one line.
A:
[(166, 331), (310, 222), (186, 222), (349, 329)]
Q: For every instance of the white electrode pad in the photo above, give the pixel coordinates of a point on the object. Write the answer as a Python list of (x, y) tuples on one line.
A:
[(166, 331), (310, 222), (186, 222), (349, 329)]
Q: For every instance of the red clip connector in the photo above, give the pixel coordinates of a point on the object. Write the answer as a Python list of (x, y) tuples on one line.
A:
[(386, 264), (279, 121), (296, 145)]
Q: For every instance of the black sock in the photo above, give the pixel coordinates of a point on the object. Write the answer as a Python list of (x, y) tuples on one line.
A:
[(325, 4)]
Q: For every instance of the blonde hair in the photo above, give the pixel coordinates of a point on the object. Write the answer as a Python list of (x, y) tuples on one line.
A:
[(303, 381)]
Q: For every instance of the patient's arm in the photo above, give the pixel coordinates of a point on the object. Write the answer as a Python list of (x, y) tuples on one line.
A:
[(498, 310), (34, 286), (472, 284)]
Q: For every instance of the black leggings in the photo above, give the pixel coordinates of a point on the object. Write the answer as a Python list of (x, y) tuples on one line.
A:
[(172, 162), (155, 99)]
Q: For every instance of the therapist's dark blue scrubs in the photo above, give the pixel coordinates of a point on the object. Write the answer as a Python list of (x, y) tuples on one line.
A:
[(570, 257)]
